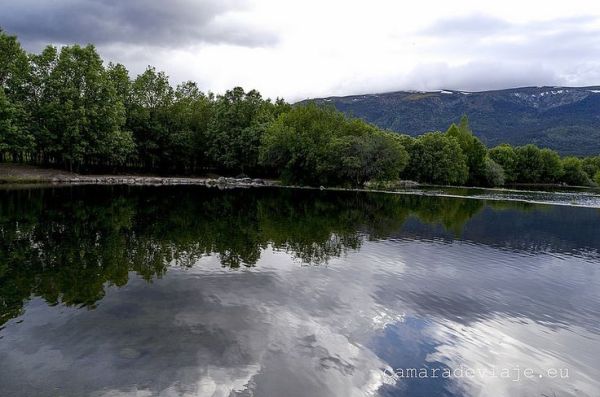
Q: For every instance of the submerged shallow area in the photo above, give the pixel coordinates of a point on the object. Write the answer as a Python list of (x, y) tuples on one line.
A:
[(191, 291)]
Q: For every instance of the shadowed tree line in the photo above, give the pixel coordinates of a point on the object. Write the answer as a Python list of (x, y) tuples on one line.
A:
[(64, 108)]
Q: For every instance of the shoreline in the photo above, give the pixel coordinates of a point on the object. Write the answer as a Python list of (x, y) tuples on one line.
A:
[(28, 174), (137, 181), (17, 175)]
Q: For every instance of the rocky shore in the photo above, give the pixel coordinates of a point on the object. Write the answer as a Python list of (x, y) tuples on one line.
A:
[(27, 174), (159, 181)]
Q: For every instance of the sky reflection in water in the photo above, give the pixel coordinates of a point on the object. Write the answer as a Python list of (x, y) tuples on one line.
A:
[(189, 291)]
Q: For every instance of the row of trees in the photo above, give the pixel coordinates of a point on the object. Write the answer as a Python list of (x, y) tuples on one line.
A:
[(458, 157), (66, 108), (530, 164)]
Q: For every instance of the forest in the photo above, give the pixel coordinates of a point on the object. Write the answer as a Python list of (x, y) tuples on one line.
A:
[(65, 108)]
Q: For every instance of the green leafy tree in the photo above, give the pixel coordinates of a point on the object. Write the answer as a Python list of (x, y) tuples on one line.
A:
[(408, 142), (236, 129), (191, 114), (151, 98), (387, 157), (405, 140), (551, 168), (14, 68), (494, 174), (574, 173), (40, 106), (505, 156), (438, 158), (119, 76), (15, 140), (474, 150), (529, 163), (368, 156), (84, 114), (296, 144), (591, 166), (318, 145)]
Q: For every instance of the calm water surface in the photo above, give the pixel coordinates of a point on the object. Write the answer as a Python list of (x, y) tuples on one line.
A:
[(188, 291)]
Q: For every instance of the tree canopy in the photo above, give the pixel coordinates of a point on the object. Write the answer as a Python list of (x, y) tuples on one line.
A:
[(318, 145), (437, 158), (474, 150)]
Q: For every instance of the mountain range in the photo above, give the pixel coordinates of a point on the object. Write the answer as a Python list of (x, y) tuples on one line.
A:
[(566, 119)]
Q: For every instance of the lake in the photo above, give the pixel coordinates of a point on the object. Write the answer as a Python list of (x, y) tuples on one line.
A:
[(193, 291)]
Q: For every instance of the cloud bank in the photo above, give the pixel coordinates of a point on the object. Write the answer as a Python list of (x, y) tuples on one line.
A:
[(174, 23), (312, 48)]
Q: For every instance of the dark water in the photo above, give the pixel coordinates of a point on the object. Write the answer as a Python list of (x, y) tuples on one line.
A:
[(184, 291)]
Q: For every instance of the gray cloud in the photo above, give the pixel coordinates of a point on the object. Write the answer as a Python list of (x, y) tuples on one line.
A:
[(485, 25), (563, 40), (467, 25), (553, 47), (473, 51), (471, 76), (499, 54), (476, 76), (140, 22)]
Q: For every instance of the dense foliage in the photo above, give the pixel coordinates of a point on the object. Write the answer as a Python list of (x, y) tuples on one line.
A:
[(436, 158), (473, 149), (315, 145), (65, 108)]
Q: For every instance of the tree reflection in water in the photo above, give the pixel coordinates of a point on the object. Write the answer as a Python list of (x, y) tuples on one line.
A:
[(67, 244)]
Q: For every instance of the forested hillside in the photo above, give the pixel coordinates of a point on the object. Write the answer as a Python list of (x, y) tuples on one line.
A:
[(565, 119)]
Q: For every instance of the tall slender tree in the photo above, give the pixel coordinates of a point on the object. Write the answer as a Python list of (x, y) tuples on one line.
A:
[(474, 150)]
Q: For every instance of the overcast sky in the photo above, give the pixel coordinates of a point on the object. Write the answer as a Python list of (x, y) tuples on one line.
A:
[(298, 49)]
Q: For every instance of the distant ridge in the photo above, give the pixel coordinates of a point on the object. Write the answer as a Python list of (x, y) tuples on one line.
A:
[(566, 119)]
